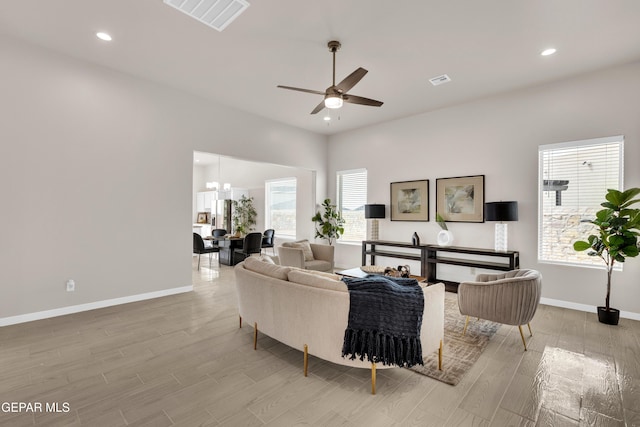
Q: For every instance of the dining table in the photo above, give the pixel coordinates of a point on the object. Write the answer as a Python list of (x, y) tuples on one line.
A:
[(227, 246)]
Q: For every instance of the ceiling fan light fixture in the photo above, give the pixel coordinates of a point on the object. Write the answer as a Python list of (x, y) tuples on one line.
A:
[(333, 101)]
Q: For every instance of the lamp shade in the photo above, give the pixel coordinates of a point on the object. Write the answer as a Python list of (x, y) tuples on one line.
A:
[(501, 211), (374, 211)]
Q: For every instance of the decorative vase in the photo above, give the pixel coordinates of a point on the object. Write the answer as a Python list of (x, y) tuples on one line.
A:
[(445, 238), (610, 317), (415, 239)]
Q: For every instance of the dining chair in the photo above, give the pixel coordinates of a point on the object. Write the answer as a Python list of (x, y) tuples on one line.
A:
[(267, 240), (200, 248), (252, 244)]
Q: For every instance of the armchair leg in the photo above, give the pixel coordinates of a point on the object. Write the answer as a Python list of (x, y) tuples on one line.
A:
[(440, 357), (529, 326), (466, 323), (240, 317), (522, 336)]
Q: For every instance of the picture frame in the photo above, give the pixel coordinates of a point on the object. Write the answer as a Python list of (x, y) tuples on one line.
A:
[(202, 217), (410, 200), (461, 198)]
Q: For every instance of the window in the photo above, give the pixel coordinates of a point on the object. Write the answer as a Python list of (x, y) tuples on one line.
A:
[(574, 178), (280, 209), (352, 196)]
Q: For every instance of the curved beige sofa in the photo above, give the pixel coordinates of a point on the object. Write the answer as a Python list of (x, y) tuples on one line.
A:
[(309, 310)]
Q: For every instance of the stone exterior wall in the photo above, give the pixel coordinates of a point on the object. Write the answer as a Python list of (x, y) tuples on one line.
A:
[(564, 226)]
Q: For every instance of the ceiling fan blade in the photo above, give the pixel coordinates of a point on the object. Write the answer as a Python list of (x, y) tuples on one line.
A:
[(318, 108), (360, 100), (351, 80), (317, 92)]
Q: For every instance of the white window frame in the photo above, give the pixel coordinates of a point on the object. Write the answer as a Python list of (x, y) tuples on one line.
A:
[(355, 237), (583, 260), (267, 205)]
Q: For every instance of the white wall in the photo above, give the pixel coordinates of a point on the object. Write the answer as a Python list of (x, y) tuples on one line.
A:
[(499, 137), (96, 178)]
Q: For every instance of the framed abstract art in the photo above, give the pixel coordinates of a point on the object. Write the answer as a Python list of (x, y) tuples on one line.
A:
[(410, 200), (460, 199)]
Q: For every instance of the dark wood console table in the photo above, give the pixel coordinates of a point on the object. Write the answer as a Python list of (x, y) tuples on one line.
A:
[(432, 255)]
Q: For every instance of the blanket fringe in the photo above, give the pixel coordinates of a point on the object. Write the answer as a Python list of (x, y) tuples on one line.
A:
[(382, 348)]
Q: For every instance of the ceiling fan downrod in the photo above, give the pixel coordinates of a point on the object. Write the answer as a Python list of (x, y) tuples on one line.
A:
[(334, 45)]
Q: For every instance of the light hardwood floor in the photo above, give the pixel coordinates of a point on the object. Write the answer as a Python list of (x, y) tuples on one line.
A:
[(182, 360)]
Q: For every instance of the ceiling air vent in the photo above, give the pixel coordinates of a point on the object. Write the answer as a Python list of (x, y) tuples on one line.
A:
[(215, 13), (439, 80)]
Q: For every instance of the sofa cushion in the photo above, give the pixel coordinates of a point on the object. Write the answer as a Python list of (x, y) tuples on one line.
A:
[(324, 274), (315, 280), (266, 258), (301, 244), (318, 265), (276, 271)]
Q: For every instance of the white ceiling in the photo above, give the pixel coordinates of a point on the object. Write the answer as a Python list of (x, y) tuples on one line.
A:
[(486, 47)]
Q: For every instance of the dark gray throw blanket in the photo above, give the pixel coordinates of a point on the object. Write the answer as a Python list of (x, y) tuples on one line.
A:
[(385, 316)]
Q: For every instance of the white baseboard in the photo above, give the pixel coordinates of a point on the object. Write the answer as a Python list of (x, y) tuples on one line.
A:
[(585, 307), (29, 317)]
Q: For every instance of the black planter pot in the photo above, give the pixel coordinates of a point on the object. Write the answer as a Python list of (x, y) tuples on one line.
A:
[(610, 317)]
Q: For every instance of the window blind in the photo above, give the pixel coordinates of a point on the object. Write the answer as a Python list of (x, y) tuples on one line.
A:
[(280, 207), (574, 178), (352, 196)]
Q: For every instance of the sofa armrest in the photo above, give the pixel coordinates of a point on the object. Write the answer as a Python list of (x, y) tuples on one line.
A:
[(291, 257), (323, 252)]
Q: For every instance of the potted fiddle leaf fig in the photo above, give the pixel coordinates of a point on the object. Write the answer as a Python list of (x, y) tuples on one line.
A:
[(616, 239), (329, 225)]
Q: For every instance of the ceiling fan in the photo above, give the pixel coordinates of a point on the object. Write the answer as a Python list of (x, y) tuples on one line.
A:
[(336, 94)]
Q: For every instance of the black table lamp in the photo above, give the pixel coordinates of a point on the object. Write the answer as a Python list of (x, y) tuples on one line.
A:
[(374, 212), (501, 211)]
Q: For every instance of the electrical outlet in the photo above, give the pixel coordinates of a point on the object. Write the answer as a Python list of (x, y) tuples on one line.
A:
[(71, 286), (473, 270)]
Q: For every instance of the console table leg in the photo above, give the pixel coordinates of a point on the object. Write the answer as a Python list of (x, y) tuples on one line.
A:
[(255, 336)]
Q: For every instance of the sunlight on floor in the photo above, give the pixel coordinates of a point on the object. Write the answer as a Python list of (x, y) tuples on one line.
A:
[(578, 387)]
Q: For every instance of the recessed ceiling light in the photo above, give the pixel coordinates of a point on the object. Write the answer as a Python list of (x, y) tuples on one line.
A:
[(548, 52), (326, 118), (103, 36)]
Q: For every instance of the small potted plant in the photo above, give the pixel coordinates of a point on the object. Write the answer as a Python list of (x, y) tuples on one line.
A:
[(329, 225), (618, 227)]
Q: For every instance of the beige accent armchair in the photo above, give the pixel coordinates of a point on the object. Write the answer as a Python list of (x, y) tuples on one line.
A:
[(510, 298), (323, 256)]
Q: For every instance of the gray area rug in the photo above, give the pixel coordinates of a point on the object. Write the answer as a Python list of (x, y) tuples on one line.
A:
[(459, 352)]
